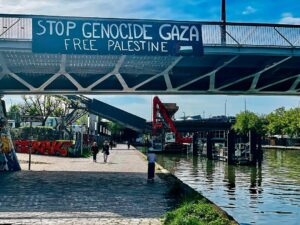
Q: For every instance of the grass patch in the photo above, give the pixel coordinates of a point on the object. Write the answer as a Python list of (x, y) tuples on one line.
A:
[(195, 213), (86, 154), (192, 208)]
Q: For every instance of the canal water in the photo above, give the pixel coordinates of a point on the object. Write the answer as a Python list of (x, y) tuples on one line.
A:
[(265, 194)]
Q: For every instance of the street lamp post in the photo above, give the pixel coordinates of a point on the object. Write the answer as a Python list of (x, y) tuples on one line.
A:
[(225, 107), (223, 20), (30, 146), (31, 119), (81, 143), (223, 16)]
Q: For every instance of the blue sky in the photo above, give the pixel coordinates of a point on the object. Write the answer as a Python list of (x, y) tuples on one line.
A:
[(267, 11)]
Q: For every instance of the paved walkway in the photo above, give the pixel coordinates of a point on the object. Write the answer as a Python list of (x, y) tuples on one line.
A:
[(78, 191)]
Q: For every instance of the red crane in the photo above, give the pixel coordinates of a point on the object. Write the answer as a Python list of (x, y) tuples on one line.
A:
[(160, 115)]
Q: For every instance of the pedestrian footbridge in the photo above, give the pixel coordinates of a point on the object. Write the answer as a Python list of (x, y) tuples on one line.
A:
[(112, 113), (68, 55)]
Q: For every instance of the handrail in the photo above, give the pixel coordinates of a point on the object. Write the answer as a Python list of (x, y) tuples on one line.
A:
[(29, 16), (19, 27)]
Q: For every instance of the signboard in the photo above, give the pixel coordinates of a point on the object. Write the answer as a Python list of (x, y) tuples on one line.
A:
[(116, 37)]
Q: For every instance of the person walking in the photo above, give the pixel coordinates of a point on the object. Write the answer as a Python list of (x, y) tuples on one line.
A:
[(105, 151), (128, 144), (151, 166), (111, 143), (94, 151)]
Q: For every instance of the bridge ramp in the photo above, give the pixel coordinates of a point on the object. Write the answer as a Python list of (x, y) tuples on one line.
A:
[(116, 115)]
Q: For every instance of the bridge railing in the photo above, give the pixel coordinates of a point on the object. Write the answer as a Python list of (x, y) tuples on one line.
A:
[(19, 27)]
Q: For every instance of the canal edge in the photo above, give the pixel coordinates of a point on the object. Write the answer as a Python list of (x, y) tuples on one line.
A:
[(186, 191)]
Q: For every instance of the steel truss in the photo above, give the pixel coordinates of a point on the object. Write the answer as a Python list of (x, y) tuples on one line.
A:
[(257, 59)]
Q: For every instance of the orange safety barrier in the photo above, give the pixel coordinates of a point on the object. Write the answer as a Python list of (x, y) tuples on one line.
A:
[(43, 147)]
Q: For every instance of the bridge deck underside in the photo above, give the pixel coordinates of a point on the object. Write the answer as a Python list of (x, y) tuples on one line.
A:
[(24, 72)]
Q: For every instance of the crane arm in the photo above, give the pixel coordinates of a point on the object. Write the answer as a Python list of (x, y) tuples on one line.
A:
[(158, 106)]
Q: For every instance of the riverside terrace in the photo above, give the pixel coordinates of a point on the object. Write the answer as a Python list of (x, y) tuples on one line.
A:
[(231, 58)]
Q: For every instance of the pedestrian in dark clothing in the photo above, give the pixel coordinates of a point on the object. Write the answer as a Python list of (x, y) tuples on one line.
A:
[(95, 151), (105, 151), (151, 166), (111, 144), (128, 144)]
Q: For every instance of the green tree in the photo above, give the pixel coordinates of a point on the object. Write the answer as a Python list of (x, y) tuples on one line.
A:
[(82, 120), (14, 113), (292, 122), (277, 122), (115, 129), (44, 106), (246, 121)]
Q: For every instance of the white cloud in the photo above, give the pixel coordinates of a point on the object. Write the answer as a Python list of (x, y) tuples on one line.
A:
[(90, 8), (249, 10), (288, 18)]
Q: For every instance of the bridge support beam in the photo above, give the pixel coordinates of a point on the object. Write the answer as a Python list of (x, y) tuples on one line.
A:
[(209, 146), (8, 157), (231, 147)]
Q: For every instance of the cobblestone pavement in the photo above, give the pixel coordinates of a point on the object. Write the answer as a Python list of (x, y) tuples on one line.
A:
[(78, 191)]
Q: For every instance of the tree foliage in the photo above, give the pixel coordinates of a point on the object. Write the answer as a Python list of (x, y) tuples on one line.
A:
[(276, 121), (279, 122), (115, 128), (14, 113), (44, 106), (284, 122), (292, 122), (82, 120), (246, 121)]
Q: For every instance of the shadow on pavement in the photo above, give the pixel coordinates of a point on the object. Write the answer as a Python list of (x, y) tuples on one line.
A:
[(125, 194)]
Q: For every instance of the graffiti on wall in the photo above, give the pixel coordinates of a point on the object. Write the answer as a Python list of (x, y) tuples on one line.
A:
[(58, 148), (8, 158), (5, 144)]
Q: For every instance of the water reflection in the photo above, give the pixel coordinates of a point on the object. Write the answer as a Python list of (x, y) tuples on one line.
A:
[(209, 171), (255, 181), (230, 177), (195, 166), (266, 194)]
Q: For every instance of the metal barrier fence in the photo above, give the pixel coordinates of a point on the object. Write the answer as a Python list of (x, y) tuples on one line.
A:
[(19, 27)]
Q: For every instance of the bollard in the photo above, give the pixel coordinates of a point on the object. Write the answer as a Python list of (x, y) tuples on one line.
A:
[(231, 147), (209, 146)]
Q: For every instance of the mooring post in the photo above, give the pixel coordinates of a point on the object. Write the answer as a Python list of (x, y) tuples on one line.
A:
[(195, 144), (209, 146), (259, 148), (252, 145), (231, 147)]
